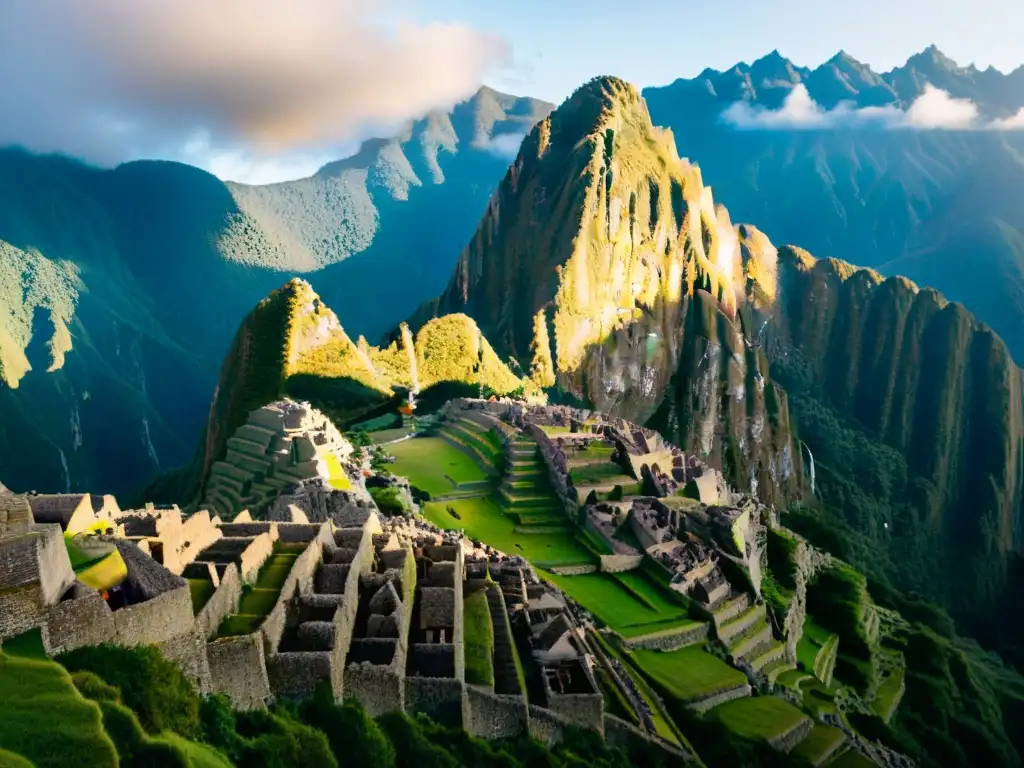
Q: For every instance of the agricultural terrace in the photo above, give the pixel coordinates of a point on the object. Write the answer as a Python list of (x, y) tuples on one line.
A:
[(435, 465), (759, 717), (688, 674), (259, 599)]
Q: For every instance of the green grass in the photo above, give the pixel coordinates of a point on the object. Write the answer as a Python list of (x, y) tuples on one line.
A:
[(387, 435), (597, 474), (758, 717), (429, 462), (888, 696), (791, 679), (199, 755), (44, 719), (259, 600), (482, 519), (689, 673), (478, 634), (201, 590), (851, 759), (819, 742), (818, 700), (28, 645), (618, 606)]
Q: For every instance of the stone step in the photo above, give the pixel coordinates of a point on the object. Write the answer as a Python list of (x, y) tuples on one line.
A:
[(736, 626), (753, 642), (733, 607), (775, 652)]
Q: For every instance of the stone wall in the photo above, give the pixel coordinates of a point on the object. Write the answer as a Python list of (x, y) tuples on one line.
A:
[(36, 557), (188, 651), (224, 601), (345, 616), (238, 670), (437, 697), (259, 549), (298, 582), (21, 609), (162, 618), (493, 716), (669, 640), (620, 563), (794, 736), (547, 726), (84, 620), (574, 570), (709, 702), (554, 460), (584, 709), (619, 733), (379, 688), (296, 675)]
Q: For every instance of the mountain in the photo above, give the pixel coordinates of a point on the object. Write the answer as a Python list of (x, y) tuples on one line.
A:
[(120, 290), (292, 344), (603, 261), (936, 206)]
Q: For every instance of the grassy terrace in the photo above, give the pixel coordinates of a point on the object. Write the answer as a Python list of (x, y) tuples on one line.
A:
[(817, 649), (434, 465), (890, 691), (689, 673), (758, 717), (483, 519), (259, 599), (823, 740), (479, 639)]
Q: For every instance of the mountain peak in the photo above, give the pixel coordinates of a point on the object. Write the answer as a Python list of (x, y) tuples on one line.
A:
[(598, 100), (931, 58)]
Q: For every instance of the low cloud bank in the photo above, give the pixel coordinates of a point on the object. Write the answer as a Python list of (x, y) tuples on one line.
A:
[(108, 80), (505, 145), (934, 109)]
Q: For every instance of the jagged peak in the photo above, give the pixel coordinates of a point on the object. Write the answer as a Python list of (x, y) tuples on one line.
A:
[(931, 58), (595, 101)]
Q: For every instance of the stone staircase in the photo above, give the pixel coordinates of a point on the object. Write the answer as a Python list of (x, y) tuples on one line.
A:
[(525, 492)]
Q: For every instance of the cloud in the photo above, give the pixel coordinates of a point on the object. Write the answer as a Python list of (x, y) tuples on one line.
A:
[(1012, 123), (108, 80), (505, 145), (934, 109)]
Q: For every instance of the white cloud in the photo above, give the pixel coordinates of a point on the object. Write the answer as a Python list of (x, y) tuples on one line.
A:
[(505, 145), (109, 80), (1012, 123), (934, 109)]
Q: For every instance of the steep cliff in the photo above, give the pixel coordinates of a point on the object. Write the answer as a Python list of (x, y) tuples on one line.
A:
[(602, 263), (913, 411)]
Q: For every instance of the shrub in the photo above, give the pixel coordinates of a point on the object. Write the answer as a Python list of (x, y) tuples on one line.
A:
[(354, 737), (277, 740), (135, 749), (151, 686), (92, 687)]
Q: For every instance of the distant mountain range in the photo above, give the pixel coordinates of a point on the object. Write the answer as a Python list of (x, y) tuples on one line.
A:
[(120, 290), (941, 207)]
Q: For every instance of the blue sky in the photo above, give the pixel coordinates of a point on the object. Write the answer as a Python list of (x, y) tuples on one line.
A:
[(559, 44), (265, 90)]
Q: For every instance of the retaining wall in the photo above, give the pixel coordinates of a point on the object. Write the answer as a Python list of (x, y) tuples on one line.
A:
[(222, 602), (238, 670), (709, 702), (490, 715), (669, 640), (794, 736), (620, 563), (573, 570), (188, 651), (438, 697)]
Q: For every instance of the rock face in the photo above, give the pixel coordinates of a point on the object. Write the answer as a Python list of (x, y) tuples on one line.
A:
[(603, 256)]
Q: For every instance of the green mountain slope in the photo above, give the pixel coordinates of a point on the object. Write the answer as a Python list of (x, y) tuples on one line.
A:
[(603, 260), (587, 263), (121, 290), (292, 344)]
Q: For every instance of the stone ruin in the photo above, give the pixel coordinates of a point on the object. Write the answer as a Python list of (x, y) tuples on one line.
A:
[(280, 445)]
